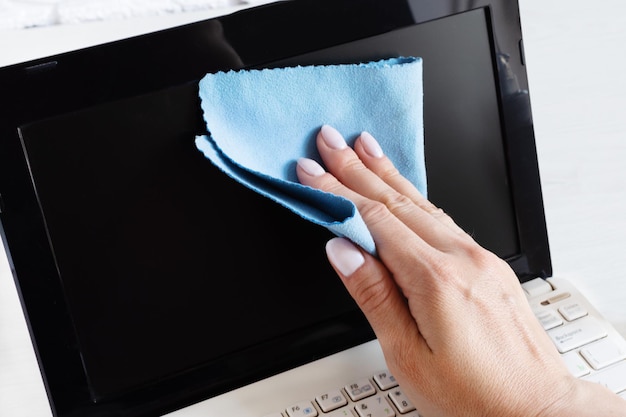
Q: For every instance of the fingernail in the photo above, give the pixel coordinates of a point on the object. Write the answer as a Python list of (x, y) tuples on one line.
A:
[(344, 255), (333, 138), (371, 145), (311, 167)]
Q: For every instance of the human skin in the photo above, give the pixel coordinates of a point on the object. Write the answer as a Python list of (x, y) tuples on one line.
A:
[(452, 320)]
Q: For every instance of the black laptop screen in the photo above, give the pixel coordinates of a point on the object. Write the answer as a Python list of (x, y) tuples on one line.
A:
[(163, 267)]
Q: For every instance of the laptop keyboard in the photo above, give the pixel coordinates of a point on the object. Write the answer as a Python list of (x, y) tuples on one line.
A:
[(590, 346), (377, 395)]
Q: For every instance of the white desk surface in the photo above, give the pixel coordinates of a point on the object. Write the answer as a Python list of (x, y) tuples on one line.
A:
[(576, 58)]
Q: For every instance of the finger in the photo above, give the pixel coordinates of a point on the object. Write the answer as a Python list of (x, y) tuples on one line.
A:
[(395, 242), (374, 290), (348, 168), (371, 154), (311, 173)]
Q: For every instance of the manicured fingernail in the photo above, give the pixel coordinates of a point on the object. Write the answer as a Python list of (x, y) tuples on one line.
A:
[(311, 167), (344, 255), (333, 138), (371, 145)]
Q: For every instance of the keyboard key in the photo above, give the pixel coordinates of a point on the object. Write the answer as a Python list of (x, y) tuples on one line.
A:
[(360, 389), (302, 409), (344, 412), (549, 319), (556, 298), (577, 334), (603, 353), (576, 365), (331, 400), (376, 406), (614, 378), (536, 287), (385, 380), (401, 401), (572, 311)]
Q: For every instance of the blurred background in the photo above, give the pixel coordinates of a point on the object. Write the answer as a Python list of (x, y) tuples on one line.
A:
[(24, 14)]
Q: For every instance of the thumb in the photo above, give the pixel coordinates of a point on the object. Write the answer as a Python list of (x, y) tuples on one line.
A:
[(371, 285)]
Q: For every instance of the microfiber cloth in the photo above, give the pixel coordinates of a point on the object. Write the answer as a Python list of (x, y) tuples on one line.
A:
[(260, 122)]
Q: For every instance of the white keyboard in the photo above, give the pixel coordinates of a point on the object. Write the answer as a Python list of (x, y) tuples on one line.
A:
[(375, 396), (591, 348)]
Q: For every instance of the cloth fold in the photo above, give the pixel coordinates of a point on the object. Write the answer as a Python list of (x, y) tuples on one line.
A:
[(260, 122)]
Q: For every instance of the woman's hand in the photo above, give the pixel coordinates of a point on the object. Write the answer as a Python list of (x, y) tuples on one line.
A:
[(451, 317)]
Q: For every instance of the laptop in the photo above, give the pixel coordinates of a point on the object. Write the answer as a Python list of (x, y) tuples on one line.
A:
[(148, 291)]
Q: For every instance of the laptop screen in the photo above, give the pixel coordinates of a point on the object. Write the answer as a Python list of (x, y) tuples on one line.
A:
[(169, 289)]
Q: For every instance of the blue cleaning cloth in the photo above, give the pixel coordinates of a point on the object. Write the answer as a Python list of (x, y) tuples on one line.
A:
[(261, 121)]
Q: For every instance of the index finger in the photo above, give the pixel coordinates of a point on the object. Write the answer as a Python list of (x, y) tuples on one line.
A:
[(373, 157), (351, 171)]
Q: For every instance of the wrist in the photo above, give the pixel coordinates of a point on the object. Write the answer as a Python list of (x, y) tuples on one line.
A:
[(586, 399)]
